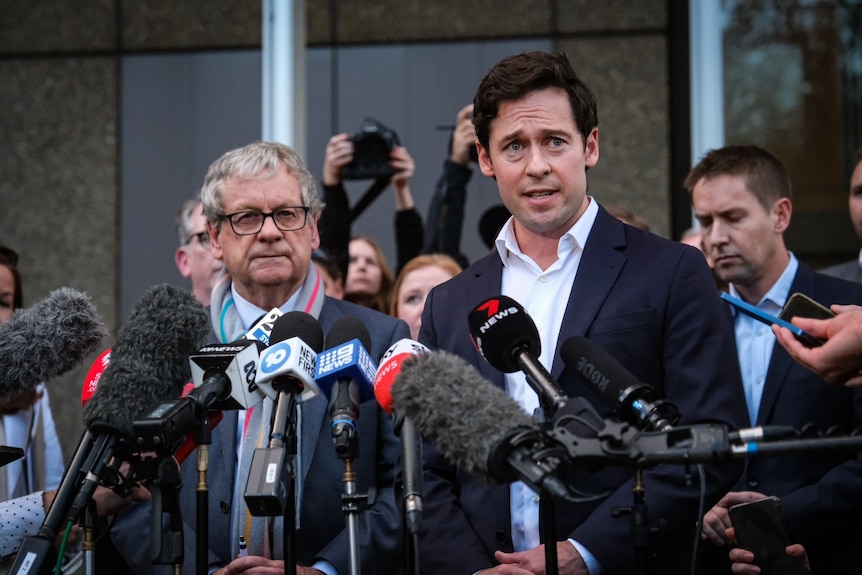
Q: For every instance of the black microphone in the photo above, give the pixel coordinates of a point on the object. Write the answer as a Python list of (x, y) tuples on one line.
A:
[(507, 338), (286, 374), (634, 402), (476, 425), (47, 339), (148, 364), (344, 373)]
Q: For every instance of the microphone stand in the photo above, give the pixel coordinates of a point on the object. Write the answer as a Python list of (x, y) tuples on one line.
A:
[(547, 509), (640, 527), (265, 494), (344, 416), (284, 431), (203, 438), (549, 399)]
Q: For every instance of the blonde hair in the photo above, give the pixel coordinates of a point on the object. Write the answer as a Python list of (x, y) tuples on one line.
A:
[(442, 261)]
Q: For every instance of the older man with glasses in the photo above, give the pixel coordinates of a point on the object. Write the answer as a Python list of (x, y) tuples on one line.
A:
[(262, 210), (193, 257)]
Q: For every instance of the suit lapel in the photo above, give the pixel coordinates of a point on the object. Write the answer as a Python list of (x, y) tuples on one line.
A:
[(601, 264), (780, 362), (486, 279)]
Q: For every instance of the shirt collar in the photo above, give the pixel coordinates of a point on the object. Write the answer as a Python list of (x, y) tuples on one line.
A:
[(576, 235), (250, 313), (780, 290)]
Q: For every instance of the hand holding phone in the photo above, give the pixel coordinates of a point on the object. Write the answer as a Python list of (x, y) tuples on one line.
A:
[(760, 528), (805, 338)]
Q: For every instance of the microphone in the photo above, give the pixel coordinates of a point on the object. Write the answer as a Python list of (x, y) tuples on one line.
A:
[(228, 372), (475, 425), (344, 373), (91, 380), (148, 364), (47, 339), (287, 375), (507, 338), (262, 328), (288, 364), (634, 402), (411, 444)]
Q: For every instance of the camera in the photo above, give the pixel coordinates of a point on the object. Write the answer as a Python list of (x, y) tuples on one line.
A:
[(372, 145)]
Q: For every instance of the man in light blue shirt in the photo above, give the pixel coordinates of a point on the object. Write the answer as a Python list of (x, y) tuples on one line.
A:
[(742, 198)]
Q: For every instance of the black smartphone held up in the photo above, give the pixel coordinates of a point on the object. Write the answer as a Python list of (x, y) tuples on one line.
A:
[(760, 528), (800, 305), (805, 338)]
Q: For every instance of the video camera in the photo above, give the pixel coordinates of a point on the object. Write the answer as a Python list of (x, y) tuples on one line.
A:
[(372, 145)]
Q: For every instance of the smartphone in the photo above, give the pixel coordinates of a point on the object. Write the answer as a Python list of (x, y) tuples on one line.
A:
[(805, 338), (801, 305), (760, 528)]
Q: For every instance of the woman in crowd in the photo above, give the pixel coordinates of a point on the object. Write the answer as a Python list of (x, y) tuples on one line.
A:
[(413, 284), (369, 278), (26, 418)]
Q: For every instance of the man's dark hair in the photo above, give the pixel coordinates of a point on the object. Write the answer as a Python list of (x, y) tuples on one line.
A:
[(516, 76), (765, 176)]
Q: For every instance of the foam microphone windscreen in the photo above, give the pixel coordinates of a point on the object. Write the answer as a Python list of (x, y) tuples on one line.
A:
[(457, 409), (499, 326), (149, 362), (298, 324), (47, 339)]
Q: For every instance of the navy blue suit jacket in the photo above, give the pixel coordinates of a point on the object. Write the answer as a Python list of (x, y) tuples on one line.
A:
[(652, 305), (821, 493), (322, 533)]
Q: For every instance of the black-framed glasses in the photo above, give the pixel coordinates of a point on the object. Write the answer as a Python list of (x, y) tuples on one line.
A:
[(250, 222), (203, 239)]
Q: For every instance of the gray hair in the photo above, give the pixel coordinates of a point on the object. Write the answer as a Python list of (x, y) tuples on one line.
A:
[(185, 228), (256, 160)]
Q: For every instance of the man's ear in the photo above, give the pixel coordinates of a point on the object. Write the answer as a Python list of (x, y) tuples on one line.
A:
[(782, 211), (215, 240), (485, 161), (181, 258)]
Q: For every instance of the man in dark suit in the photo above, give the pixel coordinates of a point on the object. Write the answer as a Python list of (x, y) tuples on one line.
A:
[(262, 210), (649, 302), (742, 198), (852, 270)]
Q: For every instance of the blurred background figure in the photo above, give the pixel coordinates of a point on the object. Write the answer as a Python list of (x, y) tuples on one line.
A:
[(330, 273), (413, 284), (852, 270), (369, 277), (27, 420), (336, 220), (693, 237), (628, 216), (193, 257)]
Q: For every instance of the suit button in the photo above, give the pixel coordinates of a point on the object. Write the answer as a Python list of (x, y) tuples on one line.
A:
[(753, 483), (502, 538), (224, 506)]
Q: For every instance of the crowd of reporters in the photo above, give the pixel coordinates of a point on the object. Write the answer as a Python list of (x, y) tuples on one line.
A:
[(260, 238)]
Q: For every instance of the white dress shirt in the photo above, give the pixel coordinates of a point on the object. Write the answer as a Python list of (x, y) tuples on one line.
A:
[(543, 294)]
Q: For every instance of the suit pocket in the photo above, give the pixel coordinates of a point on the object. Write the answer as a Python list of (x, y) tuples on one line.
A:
[(622, 322)]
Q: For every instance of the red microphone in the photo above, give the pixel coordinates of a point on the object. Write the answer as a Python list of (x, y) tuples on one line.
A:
[(390, 368), (411, 445), (91, 380)]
